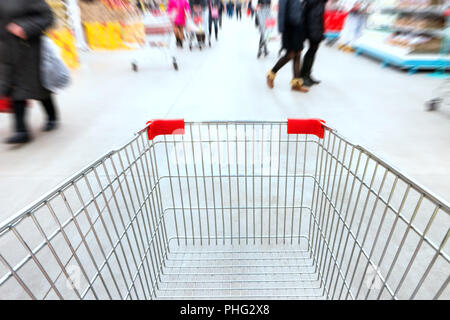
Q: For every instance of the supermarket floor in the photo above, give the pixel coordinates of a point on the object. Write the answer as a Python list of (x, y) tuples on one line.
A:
[(382, 109)]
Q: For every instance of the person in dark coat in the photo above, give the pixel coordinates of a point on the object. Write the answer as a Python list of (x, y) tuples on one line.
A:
[(22, 23), (314, 31), (290, 25)]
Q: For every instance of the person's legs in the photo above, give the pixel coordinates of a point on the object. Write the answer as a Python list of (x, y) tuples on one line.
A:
[(176, 30), (283, 60), (19, 113), (280, 63), (50, 109), (262, 46), (21, 135), (296, 64), (309, 61), (297, 82), (262, 31), (210, 22), (216, 28)]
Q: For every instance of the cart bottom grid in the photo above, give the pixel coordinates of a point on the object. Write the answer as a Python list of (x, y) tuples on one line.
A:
[(240, 271)]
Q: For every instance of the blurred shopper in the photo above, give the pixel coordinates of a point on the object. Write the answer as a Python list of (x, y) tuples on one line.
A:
[(314, 32), (262, 13), (178, 10), (250, 8), (221, 9), (230, 8), (290, 26), (22, 23), (238, 10), (213, 17), (200, 10)]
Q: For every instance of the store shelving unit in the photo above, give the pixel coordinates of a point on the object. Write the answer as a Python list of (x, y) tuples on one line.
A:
[(63, 32), (60, 12), (375, 41)]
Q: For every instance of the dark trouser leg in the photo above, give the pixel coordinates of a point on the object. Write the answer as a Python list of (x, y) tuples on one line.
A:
[(19, 113), (49, 107), (309, 59), (216, 28), (283, 60), (210, 22), (261, 43), (296, 64), (220, 20)]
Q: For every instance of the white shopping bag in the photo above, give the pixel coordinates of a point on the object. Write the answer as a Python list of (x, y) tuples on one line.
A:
[(54, 72)]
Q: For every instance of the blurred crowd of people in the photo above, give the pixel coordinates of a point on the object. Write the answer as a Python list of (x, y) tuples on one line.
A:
[(23, 23)]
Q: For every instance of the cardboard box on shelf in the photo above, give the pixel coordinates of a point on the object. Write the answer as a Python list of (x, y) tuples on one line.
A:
[(418, 22), (419, 3), (432, 45)]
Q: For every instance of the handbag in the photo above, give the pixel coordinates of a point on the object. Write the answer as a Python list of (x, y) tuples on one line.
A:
[(54, 72), (5, 105)]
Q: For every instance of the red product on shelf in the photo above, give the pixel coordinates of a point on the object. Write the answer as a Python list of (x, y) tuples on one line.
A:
[(334, 20)]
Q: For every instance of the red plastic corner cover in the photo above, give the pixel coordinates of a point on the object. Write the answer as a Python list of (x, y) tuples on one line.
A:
[(306, 126), (5, 105), (159, 127)]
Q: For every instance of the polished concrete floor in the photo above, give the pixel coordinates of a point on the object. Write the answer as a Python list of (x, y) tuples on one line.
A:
[(379, 108)]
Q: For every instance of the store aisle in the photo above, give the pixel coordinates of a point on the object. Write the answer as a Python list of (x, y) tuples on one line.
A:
[(382, 109)]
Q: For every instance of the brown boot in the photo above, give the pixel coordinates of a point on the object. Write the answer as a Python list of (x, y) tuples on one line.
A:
[(297, 85), (270, 79)]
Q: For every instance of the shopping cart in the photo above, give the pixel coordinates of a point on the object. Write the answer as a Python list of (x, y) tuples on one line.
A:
[(197, 28), (231, 210), (158, 34), (333, 23), (268, 33)]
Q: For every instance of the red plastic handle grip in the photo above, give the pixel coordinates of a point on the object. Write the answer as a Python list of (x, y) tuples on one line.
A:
[(306, 126), (159, 127)]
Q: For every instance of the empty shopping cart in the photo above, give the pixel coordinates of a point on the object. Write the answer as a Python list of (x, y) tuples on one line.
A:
[(231, 210), (158, 34)]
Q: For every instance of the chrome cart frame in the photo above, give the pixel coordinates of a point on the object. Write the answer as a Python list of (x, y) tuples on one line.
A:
[(231, 210)]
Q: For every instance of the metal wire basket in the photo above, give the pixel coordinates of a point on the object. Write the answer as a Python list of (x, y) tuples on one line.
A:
[(231, 210)]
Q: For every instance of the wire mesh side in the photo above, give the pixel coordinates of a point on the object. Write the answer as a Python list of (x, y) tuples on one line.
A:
[(99, 236), (374, 234)]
